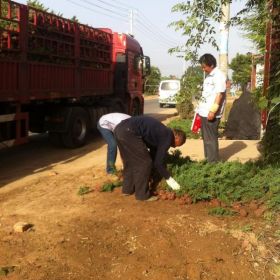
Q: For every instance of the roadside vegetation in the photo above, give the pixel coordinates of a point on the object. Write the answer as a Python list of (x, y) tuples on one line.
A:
[(229, 182)]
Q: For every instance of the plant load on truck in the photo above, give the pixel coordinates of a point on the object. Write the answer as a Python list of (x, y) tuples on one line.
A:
[(59, 76)]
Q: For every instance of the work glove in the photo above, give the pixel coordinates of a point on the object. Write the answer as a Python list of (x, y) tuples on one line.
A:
[(173, 184)]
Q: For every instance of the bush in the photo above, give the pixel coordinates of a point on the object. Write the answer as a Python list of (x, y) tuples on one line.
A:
[(185, 125), (227, 181), (185, 109)]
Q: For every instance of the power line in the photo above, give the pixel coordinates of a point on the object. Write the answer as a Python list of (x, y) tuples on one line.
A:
[(114, 6), (125, 5), (151, 35), (95, 11), (156, 33), (144, 27), (149, 25), (102, 8), (152, 25)]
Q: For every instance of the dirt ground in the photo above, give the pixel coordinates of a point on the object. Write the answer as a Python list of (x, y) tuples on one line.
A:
[(103, 235)]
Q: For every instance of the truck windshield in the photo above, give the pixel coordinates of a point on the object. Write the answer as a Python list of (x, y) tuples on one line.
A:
[(169, 86)]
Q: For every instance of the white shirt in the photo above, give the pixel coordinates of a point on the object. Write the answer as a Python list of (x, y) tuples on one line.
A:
[(110, 121), (214, 84)]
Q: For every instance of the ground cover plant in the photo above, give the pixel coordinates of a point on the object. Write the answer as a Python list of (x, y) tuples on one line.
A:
[(229, 182)]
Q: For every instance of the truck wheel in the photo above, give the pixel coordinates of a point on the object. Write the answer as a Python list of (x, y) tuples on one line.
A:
[(78, 129)]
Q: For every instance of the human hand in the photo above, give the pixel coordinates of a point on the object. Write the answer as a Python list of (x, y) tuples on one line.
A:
[(173, 184), (211, 116)]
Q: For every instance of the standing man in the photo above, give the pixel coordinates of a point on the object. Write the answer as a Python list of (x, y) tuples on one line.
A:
[(143, 143), (211, 106), (106, 126)]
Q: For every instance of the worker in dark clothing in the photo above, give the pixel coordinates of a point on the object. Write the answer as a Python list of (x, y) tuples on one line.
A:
[(143, 143)]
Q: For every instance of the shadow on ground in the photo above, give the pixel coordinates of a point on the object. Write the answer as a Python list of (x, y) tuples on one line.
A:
[(39, 155), (232, 149)]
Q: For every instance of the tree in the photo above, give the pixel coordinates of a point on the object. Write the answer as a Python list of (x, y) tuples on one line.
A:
[(241, 66), (199, 22), (152, 81), (191, 84), (254, 25), (198, 25)]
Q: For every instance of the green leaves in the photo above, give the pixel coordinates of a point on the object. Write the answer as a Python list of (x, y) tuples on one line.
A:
[(199, 17), (227, 181), (109, 187), (84, 190), (152, 81), (241, 65)]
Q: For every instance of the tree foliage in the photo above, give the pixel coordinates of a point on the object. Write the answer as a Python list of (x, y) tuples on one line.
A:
[(254, 25), (199, 18), (191, 83), (199, 23), (241, 66), (152, 81)]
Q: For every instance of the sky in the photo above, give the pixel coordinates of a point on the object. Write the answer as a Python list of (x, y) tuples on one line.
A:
[(149, 26)]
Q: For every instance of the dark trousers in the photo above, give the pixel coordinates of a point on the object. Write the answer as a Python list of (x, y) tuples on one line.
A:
[(209, 131), (137, 162)]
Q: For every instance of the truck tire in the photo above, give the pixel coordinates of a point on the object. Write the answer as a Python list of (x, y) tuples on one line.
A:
[(78, 129)]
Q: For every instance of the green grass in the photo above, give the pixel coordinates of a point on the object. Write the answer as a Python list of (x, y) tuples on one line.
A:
[(109, 187), (220, 211), (84, 190), (227, 181)]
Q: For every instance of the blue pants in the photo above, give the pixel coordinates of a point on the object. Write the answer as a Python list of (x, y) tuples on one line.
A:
[(109, 138)]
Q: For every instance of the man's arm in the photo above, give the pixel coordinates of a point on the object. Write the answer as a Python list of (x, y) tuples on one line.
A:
[(215, 107)]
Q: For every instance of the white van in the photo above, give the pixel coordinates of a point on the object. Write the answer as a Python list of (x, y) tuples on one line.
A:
[(167, 92)]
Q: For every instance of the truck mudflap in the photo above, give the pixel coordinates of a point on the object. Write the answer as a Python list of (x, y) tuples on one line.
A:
[(13, 128)]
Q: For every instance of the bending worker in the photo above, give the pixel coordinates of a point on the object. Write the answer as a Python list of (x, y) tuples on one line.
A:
[(143, 142), (106, 126)]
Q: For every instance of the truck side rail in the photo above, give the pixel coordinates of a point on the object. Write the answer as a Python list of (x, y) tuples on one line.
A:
[(44, 56)]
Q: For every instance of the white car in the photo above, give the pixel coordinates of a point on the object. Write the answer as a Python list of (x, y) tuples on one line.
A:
[(167, 92)]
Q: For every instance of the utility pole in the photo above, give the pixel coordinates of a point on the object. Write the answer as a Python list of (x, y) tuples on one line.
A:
[(224, 33), (131, 22)]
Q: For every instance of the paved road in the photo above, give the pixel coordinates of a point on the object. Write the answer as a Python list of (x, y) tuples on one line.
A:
[(152, 108)]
